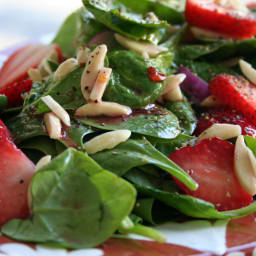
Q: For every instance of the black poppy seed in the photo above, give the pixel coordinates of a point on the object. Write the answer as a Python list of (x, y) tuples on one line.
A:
[(21, 181)]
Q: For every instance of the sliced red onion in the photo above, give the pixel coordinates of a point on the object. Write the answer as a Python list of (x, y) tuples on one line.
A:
[(100, 38), (194, 85)]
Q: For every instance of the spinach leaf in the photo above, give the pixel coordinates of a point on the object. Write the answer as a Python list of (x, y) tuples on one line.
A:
[(165, 10), (122, 19), (251, 143), (130, 84), (220, 50), (185, 204), (167, 147), (185, 114), (154, 122), (75, 203), (77, 30), (139, 152)]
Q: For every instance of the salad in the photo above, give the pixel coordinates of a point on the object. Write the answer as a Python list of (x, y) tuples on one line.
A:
[(138, 113)]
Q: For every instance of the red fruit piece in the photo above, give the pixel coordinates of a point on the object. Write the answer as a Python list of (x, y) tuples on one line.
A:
[(227, 116), (210, 164), (16, 171), (237, 93), (14, 91), (213, 17)]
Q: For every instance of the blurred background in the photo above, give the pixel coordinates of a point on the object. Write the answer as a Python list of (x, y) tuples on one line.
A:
[(23, 20)]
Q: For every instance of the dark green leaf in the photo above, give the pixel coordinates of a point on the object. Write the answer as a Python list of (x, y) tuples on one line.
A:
[(75, 203), (118, 17), (135, 153), (251, 143)]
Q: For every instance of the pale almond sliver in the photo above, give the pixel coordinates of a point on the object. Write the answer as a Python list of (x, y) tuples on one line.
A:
[(53, 125), (57, 109), (107, 140), (248, 71), (43, 161), (65, 68), (100, 84)]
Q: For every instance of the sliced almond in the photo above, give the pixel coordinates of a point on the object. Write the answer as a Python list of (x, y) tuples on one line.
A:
[(200, 32), (107, 140), (210, 101), (65, 68), (43, 161), (243, 166), (221, 131), (100, 84), (103, 108), (140, 46), (93, 66), (248, 71), (252, 160), (55, 107), (83, 55), (172, 90), (53, 125), (35, 75)]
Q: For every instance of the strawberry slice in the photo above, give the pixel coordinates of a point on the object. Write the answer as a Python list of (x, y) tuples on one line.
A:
[(14, 91), (210, 164), (15, 68), (227, 116), (237, 93), (16, 171), (211, 16)]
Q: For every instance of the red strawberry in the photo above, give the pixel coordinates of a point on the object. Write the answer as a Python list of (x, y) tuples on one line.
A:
[(213, 17), (15, 69), (227, 116), (237, 93), (211, 164), (16, 171), (14, 91)]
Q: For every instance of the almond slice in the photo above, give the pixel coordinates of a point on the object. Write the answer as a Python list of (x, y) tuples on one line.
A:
[(53, 125), (210, 101), (100, 84), (93, 66), (221, 131), (243, 166), (65, 68), (43, 161), (103, 108), (35, 75), (55, 107), (139, 46), (83, 55), (248, 71), (172, 90), (107, 140)]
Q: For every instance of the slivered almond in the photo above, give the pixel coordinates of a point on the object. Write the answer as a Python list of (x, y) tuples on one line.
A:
[(83, 55), (55, 107), (221, 131), (53, 125), (172, 90), (44, 68), (248, 71), (43, 161), (210, 101), (139, 46), (93, 66), (35, 75), (100, 84), (103, 108), (107, 140), (65, 68), (252, 160), (243, 166), (200, 32)]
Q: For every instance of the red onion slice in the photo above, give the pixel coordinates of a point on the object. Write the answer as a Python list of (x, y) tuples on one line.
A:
[(100, 38), (194, 85)]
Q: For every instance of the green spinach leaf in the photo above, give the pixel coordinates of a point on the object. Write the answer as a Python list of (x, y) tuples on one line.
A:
[(139, 152), (75, 203)]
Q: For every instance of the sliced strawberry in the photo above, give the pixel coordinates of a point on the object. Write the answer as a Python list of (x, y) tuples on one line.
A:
[(16, 67), (237, 93), (16, 171), (208, 15), (210, 164), (14, 91), (227, 116)]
